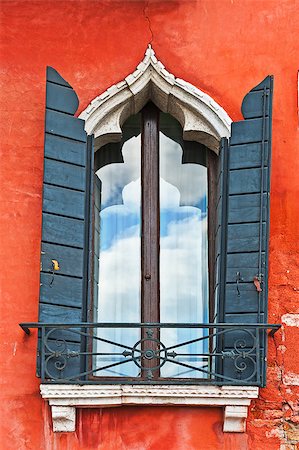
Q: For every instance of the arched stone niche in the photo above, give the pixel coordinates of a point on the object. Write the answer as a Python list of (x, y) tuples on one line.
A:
[(201, 118)]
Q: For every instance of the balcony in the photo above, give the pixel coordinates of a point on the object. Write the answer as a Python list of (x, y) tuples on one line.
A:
[(181, 364), (152, 353)]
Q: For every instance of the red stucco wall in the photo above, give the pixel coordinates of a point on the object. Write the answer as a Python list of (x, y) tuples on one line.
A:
[(224, 47)]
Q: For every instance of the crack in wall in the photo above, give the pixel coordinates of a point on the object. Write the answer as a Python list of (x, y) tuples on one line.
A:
[(145, 12)]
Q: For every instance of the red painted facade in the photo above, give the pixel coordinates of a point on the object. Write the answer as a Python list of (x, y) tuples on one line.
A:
[(223, 47)]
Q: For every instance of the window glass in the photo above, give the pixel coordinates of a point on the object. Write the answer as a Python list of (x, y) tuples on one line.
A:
[(183, 244), (120, 296), (117, 248)]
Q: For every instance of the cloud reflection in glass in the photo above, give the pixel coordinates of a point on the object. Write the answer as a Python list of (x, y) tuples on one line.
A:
[(183, 254)]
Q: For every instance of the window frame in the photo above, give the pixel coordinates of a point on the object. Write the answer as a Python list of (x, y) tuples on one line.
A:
[(150, 237)]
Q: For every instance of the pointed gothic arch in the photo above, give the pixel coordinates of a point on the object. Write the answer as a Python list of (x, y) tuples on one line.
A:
[(202, 119)]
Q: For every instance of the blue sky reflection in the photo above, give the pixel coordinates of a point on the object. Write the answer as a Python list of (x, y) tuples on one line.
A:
[(183, 254)]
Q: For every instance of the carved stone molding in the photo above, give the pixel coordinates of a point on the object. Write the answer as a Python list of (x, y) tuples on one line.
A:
[(64, 399), (201, 118)]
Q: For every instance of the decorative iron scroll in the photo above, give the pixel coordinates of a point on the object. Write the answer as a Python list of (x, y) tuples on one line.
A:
[(149, 355)]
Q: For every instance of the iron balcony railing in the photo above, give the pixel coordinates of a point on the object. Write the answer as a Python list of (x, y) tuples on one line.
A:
[(152, 353)]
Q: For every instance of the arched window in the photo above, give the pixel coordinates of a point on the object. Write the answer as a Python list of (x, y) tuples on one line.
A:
[(151, 244), (170, 235), (161, 235)]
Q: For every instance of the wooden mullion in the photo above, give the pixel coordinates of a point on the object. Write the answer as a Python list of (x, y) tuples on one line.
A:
[(150, 244)]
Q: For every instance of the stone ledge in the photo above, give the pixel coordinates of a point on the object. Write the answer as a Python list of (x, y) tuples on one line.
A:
[(64, 399)]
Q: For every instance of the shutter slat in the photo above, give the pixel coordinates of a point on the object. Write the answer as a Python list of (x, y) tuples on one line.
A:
[(247, 155), (64, 125), (60, 314), (66, 291), (242, 317), (250, 130), (246, 208), (64, 174), (61, 98), (246, 301), (63, 201), (63, 230), (263, 107), (245, 181), (70, 259), (244, 237), (54, 77), (245, 264), (66, 150), (253, 104)]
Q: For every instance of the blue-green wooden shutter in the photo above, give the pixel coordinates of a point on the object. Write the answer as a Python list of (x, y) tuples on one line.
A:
[(243, 233), (66, 223)]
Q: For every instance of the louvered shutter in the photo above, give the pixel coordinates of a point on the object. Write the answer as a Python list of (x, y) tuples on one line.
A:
[(66, 220), (242, 238)]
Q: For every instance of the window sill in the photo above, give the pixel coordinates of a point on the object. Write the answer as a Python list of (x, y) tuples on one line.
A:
[(64, 399)]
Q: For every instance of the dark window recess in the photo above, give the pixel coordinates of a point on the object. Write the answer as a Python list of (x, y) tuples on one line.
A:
[(175, 327)]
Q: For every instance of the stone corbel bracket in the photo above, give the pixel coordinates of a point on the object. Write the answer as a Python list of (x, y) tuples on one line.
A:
[(64, 399), (201, 118)]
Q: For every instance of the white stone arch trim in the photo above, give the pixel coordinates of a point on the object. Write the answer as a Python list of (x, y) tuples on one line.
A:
[(202, 119)]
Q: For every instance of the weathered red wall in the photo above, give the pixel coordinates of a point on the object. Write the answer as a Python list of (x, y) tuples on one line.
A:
[(224, 47)]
